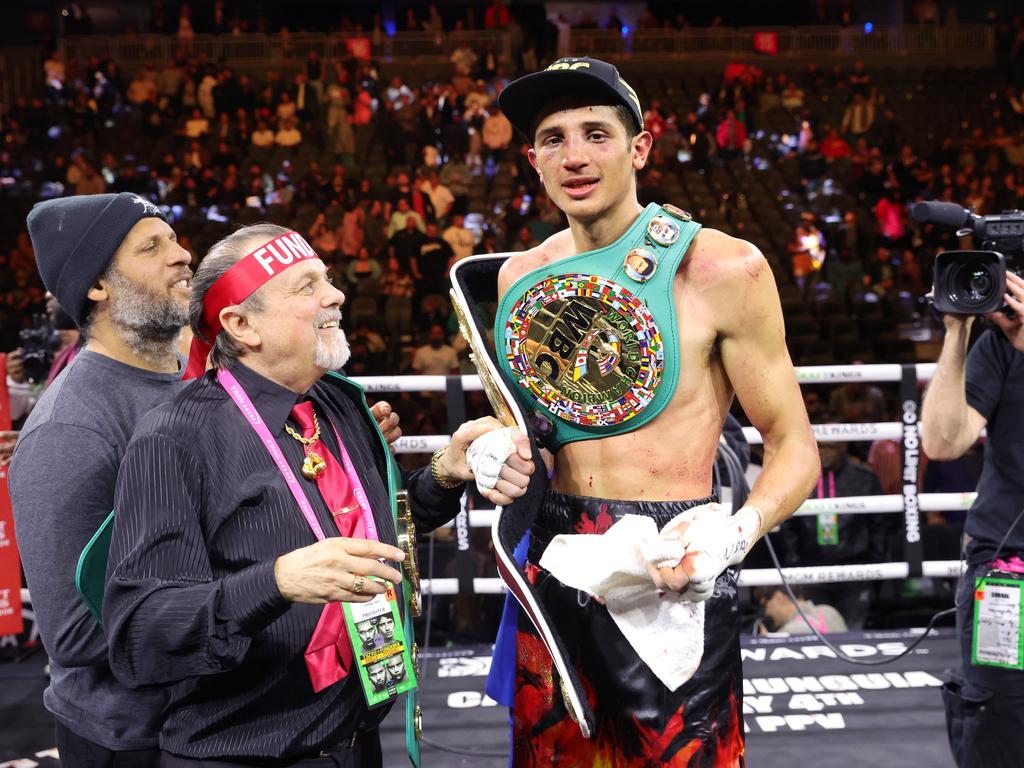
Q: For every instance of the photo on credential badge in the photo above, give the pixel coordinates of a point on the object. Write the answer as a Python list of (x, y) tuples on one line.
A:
[(383, 657)]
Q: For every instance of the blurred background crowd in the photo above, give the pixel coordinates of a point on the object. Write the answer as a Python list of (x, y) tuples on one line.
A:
[(375, 133)]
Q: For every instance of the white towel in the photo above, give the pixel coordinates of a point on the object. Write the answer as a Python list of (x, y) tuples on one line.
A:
[(666, 631)]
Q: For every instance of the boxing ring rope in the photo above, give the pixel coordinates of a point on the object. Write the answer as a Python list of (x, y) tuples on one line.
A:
[(822, 374), (755, 577), (808, 374), (845, 505), (830, 374), (813, 374), (824, 433)]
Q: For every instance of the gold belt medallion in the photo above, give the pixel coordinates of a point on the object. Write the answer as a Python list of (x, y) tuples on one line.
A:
[(585, 348)]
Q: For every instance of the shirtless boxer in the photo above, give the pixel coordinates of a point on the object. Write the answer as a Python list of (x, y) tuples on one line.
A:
[(630, 394)]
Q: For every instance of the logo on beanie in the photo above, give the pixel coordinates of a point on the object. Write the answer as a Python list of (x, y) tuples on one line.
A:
[(147, 207)]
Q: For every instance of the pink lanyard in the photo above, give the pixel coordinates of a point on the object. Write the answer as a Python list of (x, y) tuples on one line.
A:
[(241, 399), (831, 486)]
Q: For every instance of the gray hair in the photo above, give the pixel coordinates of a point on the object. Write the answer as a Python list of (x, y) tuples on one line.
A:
[(220, 258)]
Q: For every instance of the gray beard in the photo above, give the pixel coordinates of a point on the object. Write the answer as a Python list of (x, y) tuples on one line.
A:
[(332, 356), (149, 323)]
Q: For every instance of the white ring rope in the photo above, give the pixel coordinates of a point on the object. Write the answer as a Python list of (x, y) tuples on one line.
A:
[(757, 577), (852, 505), (808, 374), (823, 433), (843, 505)]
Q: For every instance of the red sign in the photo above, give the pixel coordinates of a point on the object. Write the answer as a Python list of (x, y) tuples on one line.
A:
[(358, 47), (11, 622), (5, 398), (766, 42)]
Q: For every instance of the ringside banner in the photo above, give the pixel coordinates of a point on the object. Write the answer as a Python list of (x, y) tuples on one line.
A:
[(11, 622), (5, 398), (798, 699)]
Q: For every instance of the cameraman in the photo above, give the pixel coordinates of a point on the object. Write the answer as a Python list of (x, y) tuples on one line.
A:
[(21, 393), (983, 389), (48, 347)]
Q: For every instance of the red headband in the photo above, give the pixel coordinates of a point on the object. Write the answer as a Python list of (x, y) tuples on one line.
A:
[(241, 281)]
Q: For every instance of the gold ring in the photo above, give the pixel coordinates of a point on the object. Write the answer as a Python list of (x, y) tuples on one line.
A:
[(357, 585)]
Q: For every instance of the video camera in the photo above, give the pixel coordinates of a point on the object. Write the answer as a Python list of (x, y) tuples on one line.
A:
[(38, 342), (974, 282)]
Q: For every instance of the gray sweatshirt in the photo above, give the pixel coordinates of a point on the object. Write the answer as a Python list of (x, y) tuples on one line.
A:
[(62, 480)]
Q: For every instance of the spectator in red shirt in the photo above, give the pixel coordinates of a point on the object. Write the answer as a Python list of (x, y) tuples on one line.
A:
[(834, 146), (731, 136), (891, 215)]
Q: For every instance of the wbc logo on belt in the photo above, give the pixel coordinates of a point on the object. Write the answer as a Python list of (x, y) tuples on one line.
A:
[(585, 348)]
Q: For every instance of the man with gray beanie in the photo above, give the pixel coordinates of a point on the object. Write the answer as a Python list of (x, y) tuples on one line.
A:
[(115, 266)]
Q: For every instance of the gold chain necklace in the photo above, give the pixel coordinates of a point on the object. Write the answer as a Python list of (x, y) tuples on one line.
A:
[(313, 464)]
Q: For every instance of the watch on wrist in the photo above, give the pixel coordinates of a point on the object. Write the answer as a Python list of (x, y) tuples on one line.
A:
[(447, 483)]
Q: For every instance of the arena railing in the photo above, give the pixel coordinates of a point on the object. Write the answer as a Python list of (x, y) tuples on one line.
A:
[(819, 42), (276, 50), (973, 41)]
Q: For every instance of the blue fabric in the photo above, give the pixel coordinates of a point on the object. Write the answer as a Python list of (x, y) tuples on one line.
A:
[(501, 681)]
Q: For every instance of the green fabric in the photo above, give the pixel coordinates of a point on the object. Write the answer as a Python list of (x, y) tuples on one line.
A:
[(656, 293), (91, 574), (412, 745)]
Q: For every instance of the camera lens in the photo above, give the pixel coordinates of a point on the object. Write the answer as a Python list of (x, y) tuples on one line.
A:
[(971, 285), (981, 284)]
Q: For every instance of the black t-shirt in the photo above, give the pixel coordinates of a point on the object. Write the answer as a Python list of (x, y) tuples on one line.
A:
[(995, 388), (434, 255), (407, 245)]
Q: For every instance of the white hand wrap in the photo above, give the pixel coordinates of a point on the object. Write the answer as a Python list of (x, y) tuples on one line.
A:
[(661, 552), (486, 456), (668, 550), (713, 544)]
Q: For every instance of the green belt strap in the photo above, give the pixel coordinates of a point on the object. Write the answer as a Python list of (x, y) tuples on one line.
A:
[(652, 296)]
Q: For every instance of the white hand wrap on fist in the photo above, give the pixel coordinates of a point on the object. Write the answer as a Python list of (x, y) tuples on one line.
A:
[(487, 455), (713, 543)]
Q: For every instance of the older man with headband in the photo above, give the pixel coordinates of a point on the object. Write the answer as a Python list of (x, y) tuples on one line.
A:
[(249, 507)]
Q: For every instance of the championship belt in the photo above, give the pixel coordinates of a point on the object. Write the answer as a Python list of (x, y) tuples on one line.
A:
[(590, 342), (474, 284), (405, 530)]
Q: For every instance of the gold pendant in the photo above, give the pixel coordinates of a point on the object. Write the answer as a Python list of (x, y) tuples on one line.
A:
[(313, 466)]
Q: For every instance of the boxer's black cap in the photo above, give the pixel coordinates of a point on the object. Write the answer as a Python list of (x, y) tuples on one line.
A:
[(522, 99)]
